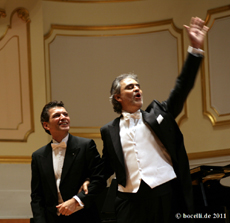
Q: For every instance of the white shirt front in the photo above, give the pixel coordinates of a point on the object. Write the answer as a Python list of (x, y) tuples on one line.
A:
[(58, 161), (144, 156)]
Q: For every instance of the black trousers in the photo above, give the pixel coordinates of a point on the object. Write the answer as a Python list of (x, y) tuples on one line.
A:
[(147, 205)]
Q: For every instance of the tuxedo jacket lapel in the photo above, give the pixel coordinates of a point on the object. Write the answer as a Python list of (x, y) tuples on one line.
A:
[(114, 130), (151, 120), (162, 130), (47, 165), (72, 151)]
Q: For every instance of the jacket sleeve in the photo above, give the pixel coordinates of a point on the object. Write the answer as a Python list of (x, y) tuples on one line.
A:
[(95, 173), (108, 170), (37, 203), (183, 86), (113, 159)]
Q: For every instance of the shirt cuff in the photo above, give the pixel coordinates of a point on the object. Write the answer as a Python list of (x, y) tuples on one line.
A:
[(78, 200), (196, 52)]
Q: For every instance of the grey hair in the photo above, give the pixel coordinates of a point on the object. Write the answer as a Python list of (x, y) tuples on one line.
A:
[(116, 89)]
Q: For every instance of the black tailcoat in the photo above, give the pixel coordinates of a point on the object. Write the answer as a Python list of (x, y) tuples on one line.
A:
[(167, 131)]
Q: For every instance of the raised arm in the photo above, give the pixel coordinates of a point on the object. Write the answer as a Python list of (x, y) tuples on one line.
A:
[(185, 82)]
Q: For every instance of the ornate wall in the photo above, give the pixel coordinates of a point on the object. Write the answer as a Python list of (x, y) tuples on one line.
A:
[(72, 50)]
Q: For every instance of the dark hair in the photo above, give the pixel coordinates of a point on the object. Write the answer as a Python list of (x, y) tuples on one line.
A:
[(116, 89), (45, 116)]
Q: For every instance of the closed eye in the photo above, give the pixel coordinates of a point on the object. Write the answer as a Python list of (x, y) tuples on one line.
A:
[(56, 115), (131, 86)]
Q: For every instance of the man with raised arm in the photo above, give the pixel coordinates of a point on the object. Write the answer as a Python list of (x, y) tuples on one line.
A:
[(145, 149)]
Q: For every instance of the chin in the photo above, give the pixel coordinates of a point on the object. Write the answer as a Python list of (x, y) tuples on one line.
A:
[(65, 129), (140, 104)]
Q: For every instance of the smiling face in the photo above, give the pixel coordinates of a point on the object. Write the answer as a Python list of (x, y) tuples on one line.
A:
[(58, 124), (130, 96)]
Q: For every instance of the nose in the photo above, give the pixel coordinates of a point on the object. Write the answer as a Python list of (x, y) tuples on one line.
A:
[(62, 116), (136, 88)]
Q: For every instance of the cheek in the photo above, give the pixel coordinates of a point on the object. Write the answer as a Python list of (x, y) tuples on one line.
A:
[(126, 99)]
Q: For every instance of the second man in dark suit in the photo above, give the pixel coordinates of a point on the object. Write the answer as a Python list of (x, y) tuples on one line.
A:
[(60, 168)]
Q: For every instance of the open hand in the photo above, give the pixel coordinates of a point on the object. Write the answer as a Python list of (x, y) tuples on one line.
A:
[(196, 32)]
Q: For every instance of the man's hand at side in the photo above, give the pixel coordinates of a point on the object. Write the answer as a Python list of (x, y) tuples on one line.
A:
[(68, 207), (84, 186)]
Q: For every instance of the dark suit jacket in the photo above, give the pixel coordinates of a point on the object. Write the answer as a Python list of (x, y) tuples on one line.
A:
[(167, 131), (82, 161)]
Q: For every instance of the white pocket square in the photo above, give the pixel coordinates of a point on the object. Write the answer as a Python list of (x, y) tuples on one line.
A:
[(160, 119)]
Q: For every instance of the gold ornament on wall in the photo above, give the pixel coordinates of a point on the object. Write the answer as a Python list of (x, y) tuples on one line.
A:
[(2, 13), (23, 14)]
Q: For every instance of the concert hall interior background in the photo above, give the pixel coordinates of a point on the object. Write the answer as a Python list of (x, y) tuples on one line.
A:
[(71, 50)]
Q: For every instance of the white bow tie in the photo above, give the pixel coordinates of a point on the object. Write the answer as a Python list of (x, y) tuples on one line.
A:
[(60, 145), (135, 115)]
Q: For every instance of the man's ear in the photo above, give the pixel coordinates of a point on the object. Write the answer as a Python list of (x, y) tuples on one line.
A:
[(117, 97), (45, 125)]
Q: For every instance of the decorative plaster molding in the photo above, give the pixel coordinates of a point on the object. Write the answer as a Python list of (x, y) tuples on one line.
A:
[(209, 154), (2, 13), (23, 14), (215, 74), (15, 159), (202, 158), (15, 76), (91, 1)]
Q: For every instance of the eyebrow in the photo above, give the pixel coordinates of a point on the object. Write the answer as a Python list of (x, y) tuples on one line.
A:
[(59, 113)]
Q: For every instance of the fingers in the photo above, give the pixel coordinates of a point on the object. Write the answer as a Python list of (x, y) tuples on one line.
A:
[(197, 23), (64, 210), (205, 29), (67, 208), (81, 188), (85, 187), (187, 28)]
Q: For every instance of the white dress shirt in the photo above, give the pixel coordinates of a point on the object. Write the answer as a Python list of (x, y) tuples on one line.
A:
[(58, 161)]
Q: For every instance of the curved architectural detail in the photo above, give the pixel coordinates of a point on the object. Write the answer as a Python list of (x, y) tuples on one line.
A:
[(15, 159), (23, 14), (73, 53), (2, 13), (215, 70), (15, 77), (92, 1)]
